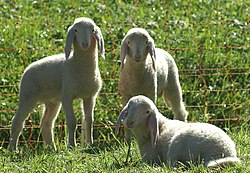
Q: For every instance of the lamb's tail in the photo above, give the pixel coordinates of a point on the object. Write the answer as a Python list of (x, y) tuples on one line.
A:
[(227, 161)]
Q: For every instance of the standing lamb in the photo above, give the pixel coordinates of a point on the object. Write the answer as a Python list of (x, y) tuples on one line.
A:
[(172, 141), (149, 71), (55, 79)]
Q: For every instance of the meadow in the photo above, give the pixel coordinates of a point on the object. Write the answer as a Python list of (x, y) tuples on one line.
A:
[(209, 41)]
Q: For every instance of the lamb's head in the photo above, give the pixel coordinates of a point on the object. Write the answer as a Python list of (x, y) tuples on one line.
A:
[(137, 44), (85, 32), (140, 111)]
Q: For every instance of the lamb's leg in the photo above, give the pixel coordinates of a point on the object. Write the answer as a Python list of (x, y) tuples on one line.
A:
[(173, 95), (25, 107), (50, 113), (67, 104), (222, 162), (88, 118)]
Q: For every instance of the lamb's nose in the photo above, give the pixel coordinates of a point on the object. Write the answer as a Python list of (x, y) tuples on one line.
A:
[(85, 45), (137, 56), (130, 123)]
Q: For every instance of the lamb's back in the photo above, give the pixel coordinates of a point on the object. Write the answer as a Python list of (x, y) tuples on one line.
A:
[(202, 140), (43, 77)]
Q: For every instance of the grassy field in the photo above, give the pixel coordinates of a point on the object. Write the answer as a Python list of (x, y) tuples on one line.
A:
[(208, 39), (107, 157)]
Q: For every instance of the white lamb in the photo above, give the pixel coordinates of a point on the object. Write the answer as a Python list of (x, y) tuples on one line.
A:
[(149, 71), (61, 79), (172, 141)]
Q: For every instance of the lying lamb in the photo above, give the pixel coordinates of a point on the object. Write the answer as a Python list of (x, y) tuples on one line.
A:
[(162, 140), (63, 78)]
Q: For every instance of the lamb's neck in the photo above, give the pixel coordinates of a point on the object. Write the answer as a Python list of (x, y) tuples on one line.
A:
[(142, 135), (85, 58), (132, 66)]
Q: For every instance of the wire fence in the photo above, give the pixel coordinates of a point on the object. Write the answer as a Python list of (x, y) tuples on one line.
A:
[(204, 101)]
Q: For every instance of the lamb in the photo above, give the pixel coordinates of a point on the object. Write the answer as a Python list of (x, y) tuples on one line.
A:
[(149, 71), (162, 140), (57, 80)]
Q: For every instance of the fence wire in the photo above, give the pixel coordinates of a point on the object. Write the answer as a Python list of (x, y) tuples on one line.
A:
[(204, 93)]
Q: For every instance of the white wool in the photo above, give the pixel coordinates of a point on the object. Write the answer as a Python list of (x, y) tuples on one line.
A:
[(61, 79), (162, 140), (149, 71)]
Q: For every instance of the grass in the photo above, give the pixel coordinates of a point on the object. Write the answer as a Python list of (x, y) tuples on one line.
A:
[(107, 156), (208, 39)]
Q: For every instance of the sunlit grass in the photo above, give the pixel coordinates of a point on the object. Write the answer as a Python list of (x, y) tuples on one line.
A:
[(208, 39)]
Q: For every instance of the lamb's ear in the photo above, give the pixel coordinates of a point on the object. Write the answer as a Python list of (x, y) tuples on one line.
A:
[(69, 41), (124, 49), (153, 127), (152, 52), (100, 41), (122, 115)]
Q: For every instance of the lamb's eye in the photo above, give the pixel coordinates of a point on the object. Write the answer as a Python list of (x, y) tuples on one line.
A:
[(75, 30), (148, 112), (128, 42), (146, 42)]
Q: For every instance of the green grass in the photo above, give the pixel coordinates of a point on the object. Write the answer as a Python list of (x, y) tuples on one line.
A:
[(107, 156), (208, 39)]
